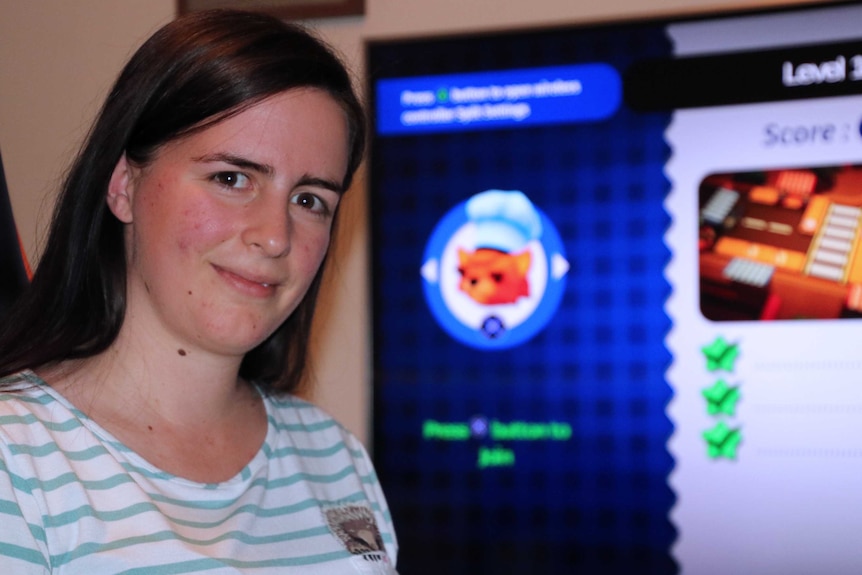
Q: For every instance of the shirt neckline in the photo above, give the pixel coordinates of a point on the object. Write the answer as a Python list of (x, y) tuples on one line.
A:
[(123, 452)]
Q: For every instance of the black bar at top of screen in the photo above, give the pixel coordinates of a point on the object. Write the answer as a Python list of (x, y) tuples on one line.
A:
[(815, 71)]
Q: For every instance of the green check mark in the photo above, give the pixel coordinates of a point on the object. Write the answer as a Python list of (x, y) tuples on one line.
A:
[(720, 354), (721, 398), (722, 441)]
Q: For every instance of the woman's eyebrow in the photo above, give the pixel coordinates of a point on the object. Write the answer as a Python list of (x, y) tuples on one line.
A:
[(321, 183), (239, 162)]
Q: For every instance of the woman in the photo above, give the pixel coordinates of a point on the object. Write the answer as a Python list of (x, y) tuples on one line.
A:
[(146, 421)]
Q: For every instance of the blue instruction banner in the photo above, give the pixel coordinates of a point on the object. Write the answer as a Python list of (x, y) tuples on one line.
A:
[(502, 99)]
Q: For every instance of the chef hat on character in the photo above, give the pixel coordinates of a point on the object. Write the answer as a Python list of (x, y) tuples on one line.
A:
[(505, 220)]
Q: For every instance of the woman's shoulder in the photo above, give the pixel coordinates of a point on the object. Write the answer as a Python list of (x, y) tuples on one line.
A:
[(31, 413), (291, 413), (24, 392), (310, 425), (295, 411), (20, 380)]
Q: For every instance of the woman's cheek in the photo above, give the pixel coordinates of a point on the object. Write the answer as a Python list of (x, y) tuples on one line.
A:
[(315, 251), (201, 226)]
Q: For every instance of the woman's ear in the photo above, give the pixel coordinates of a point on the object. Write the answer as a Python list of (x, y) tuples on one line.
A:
[(120, 190)]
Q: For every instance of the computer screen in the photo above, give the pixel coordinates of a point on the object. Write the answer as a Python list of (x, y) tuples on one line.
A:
[(617, 289)]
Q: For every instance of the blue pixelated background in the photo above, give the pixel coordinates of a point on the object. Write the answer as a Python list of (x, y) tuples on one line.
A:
[(598, 503)]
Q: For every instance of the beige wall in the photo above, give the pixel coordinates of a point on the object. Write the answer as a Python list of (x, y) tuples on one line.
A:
[(59, 57)]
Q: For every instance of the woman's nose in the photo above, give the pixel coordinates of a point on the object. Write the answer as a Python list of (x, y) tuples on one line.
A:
[(268, 229)]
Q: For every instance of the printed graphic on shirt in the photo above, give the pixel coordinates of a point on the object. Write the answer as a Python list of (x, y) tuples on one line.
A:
[(354, 525)]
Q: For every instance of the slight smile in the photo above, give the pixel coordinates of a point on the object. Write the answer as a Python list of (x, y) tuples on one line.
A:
[(248, 283)]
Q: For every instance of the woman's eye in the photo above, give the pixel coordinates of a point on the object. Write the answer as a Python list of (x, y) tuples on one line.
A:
[(232, 180), (310, 202)]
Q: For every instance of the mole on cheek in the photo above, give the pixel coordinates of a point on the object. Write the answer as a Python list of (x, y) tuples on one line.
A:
[(181, 351), (190, 292)]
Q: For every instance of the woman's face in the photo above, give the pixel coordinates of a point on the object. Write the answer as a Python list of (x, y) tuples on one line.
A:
[(226, 228)]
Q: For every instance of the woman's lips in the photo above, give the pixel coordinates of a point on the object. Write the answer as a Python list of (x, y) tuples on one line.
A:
[(248, 283)]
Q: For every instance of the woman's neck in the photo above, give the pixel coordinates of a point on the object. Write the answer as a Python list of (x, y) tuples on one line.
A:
[(189, 415)]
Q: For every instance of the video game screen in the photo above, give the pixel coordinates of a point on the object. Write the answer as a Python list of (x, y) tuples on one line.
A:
[(617, 295)]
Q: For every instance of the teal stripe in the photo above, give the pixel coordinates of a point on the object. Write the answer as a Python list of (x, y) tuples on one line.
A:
[(93, 548), (11, 379), (30, 419), (18, 483), (20, 393), (303, 477), (31, 484), (267, 450), (210, 564), (266, 484), (293, 401), (31, 556), (41, 399), (357, 453), (318, 452), (284, 510), (269, 453), (121, 447), (31, 377), (262, 483), (10, 508), (302, 427), (75, 515), (51, 447), (13, 509), (149, 473), (70, 478), (255, 509), (36, 384)]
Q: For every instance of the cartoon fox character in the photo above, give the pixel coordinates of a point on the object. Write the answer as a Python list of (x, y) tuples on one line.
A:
[(492, 276), (504, 224)]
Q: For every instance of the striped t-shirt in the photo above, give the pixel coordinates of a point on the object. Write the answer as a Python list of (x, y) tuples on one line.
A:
[(74, 500)]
